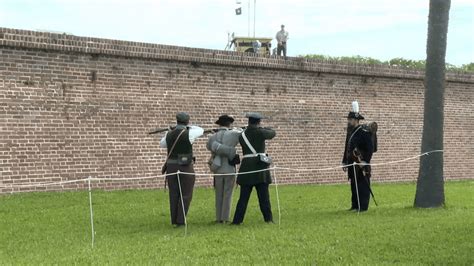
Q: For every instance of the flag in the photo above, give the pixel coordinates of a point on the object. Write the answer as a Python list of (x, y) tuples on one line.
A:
[(238, 11)]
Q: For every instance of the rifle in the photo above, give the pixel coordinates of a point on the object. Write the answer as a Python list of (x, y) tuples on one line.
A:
[(161, 130), (366, 171), (210, 131)]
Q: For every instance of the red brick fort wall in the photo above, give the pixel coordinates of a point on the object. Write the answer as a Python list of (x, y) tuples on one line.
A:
[(73, 107)]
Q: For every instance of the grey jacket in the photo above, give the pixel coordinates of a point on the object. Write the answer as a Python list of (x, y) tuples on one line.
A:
[(222, 146)]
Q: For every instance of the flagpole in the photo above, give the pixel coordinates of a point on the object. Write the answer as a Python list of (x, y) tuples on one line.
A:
[(254, 14), (248, 18)]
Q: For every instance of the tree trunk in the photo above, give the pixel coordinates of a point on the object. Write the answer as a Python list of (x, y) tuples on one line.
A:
[(430, 185)]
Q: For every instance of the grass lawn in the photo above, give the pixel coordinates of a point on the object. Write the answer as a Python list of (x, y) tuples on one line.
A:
[(132, 227)]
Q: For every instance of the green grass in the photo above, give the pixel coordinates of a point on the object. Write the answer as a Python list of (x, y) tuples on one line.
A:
[(132, 227)]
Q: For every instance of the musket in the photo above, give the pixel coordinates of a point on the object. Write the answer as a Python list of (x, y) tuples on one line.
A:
[(161, 130), (210, 131), (365, 171), (206, 131)]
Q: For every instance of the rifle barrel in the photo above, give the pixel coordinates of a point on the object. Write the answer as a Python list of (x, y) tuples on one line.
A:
[(159, 130)]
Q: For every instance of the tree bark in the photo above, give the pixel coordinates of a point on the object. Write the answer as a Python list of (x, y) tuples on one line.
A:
[(430, 185)]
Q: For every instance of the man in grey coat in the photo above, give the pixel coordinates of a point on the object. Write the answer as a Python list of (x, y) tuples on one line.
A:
[(223, 160)]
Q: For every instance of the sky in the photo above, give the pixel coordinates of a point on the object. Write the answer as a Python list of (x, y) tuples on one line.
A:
[(381, 29)]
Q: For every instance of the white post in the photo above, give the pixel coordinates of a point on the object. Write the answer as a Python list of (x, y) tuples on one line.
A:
[(182, 204), (91, 211), (234, 186), (357, 188), (278, 199)]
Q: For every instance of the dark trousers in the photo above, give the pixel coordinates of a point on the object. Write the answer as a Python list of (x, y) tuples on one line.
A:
[(187, 186), (363, 186), (281, 48), (263, 200)]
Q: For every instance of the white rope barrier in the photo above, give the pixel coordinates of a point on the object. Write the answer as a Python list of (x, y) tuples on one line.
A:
[(45, 184), (348, 165), (406, 159), (135, 178), (209, 174), (239, 173)]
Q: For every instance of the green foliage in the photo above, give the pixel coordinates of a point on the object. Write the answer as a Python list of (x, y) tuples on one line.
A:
[(346, 59), (396, 62), (401, 62), (132, 227), (468, 67)]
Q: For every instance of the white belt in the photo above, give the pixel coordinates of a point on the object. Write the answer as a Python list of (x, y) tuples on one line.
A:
[(253, 155)]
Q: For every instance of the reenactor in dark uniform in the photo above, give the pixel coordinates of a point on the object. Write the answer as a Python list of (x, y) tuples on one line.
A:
[(252, 141), (179, 143), (359, 148)]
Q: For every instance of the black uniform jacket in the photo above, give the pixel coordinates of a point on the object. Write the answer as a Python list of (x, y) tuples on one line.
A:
[(256, 137), (361, 139)]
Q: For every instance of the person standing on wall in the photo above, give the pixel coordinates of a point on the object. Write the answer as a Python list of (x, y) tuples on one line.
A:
[(179, 143), (252, 141), (359, 148), (223, 160), (282, 38)]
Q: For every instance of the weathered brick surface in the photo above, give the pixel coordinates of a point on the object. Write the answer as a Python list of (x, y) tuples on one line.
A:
[(73, 107)]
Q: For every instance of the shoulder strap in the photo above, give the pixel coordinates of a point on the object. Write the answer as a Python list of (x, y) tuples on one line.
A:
[(174, 144), (248, 143), (353, 134)]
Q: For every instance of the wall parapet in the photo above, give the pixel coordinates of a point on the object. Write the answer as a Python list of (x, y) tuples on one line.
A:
[(25, 39)]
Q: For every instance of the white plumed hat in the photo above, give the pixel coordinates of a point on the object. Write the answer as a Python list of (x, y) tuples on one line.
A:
[(355, 111), (355, 106)]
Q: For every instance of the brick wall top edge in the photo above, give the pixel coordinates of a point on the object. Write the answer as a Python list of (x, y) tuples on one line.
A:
[(26, 39)]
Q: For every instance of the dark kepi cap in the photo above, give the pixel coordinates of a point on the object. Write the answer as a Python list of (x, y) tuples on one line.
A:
[(182, 117), (254, 115), (224, 119), (355, 116)]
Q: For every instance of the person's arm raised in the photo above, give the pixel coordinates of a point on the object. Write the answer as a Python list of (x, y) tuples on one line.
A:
[(268, 133), (163, 141), (194, 133)]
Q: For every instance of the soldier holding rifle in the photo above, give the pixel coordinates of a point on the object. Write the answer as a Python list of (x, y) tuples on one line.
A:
[(252, 141), (222, 164), (179, 143)]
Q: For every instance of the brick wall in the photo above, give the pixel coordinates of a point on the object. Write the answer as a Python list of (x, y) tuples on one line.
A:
[(73, 107)]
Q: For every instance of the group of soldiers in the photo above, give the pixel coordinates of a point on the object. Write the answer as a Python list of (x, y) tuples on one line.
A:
[(252, 171)]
